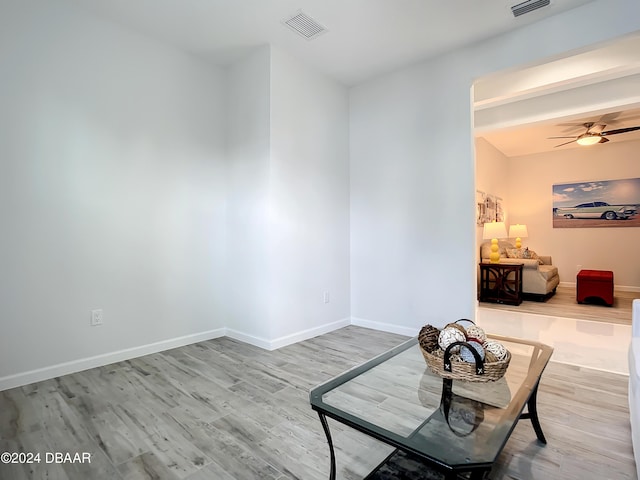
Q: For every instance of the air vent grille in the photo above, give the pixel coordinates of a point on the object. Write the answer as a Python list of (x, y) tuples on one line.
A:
[(528, 6), (304, 25)]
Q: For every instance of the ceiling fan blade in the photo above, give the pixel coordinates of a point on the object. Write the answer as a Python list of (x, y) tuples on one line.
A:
[(566, 143), (603, 140), (597, 128), (621, 130), (608, 118), (572, 127)]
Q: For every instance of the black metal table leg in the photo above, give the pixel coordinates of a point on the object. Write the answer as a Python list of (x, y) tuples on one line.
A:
[(475, 475), (532, 415), (325, 426), (479, 474)]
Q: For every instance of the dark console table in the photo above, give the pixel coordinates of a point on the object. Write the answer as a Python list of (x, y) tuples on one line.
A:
[(501, 283)]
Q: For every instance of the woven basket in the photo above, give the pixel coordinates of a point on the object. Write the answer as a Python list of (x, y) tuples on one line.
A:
[(439, 362)]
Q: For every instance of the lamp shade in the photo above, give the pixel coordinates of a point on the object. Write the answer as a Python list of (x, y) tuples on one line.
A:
[(494, 230), (518, 230)]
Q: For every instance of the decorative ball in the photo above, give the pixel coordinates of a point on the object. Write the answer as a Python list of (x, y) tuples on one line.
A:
[(467, 354), (449, 335), (475, 340), (428, 338), (476, 332), (457, 326), (496, 348), (489, 357)]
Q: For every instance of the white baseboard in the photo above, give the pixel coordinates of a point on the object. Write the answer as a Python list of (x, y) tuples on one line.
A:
[(309, 333), (46, 373), (616, 288), (625, 288), (287, 339), (250, 339), (385, 327)]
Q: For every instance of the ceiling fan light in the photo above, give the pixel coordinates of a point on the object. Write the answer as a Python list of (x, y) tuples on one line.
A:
[(588, 139)]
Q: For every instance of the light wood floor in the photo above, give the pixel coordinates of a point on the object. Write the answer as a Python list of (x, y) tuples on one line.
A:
[(563, 304), (224, 410)]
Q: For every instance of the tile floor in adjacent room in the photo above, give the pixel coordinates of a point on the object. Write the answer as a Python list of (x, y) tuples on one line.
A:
[(600, 345)]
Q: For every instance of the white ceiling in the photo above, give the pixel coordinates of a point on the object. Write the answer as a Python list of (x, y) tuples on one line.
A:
[(365, 38), (532, 139), (517, 111)]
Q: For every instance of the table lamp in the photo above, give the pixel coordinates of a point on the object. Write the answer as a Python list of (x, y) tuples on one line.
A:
[(494, 231), (518, 231)]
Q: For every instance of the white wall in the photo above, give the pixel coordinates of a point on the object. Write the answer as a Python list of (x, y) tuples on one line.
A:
[(248, 151), (288, 208), (412, 169), (185, 201), (111, 191), (411, 160), (309, 199), (492, 177), (532, 177)]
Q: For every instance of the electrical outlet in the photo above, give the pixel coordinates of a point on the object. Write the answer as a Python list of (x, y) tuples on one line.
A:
[(326, 297), (96, 317)]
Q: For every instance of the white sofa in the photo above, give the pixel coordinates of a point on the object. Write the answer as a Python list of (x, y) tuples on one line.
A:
[(634, 382), (539, 281)]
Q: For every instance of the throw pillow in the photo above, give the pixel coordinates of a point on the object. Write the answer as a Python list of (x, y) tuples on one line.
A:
[(523, 253), (514, 253), (531, 254)]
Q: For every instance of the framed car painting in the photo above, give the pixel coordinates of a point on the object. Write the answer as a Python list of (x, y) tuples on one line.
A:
[(602, 203)]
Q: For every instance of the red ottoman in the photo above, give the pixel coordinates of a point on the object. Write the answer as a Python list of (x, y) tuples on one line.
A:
[(595, 283)]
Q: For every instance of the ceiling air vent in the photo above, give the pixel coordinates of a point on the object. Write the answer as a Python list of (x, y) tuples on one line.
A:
[(304, 25), (528, 6)]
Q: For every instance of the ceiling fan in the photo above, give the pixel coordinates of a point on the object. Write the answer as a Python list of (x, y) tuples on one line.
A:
[(595, 134)]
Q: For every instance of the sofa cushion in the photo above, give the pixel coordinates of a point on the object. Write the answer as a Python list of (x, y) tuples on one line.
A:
[(548, 271), (485, 249)]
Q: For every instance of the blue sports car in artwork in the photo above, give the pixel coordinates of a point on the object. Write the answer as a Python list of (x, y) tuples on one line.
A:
[(597, 210)]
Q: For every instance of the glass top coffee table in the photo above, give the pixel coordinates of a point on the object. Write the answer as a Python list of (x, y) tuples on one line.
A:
[(453, 426)]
